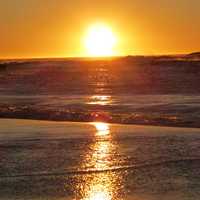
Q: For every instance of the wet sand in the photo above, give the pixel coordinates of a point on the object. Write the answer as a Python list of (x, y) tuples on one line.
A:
[(65, 160)]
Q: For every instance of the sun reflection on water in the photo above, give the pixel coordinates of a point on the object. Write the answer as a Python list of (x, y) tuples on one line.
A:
[(102, 128), (101, 195), (99, 156), (100, 100), (100, 186)]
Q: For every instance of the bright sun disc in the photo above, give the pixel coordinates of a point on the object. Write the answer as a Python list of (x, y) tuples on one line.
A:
[(100, 41)]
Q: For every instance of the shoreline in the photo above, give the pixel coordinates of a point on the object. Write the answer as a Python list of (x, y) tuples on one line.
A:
[(108, 122), (15, 129)]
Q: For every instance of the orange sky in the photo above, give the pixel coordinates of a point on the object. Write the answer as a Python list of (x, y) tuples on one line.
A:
[(55, 28)]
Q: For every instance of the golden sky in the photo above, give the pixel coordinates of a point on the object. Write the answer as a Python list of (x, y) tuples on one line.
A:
[(55, 28)]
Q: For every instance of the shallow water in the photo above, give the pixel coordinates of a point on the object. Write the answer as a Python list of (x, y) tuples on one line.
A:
[(172, 110), (94, 161)]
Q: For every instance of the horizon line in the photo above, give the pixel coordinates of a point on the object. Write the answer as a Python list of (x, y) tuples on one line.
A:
[(93, 57)]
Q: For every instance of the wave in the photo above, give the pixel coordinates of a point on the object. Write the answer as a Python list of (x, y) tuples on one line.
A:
[(187, 117), (184, 161), (129, 90)]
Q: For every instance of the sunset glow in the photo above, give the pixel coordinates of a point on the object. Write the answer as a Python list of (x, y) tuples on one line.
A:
[(37, 29)]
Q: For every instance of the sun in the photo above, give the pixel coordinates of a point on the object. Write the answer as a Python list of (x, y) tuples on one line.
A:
[(100, 41)]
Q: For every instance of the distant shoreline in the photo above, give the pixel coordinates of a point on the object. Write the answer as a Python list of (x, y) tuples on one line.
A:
[(100, 58), (194, 55)]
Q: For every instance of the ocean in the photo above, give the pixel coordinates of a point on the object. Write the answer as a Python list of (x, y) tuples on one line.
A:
[(128, 90)]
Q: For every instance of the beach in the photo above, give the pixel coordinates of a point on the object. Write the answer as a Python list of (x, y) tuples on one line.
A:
[(99, 100), (70, 160)]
